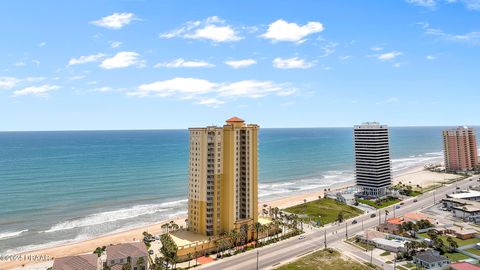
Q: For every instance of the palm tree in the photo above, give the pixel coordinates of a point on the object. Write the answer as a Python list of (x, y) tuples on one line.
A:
[(140, 262)]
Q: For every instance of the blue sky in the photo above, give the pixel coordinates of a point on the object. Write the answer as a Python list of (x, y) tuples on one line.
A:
[(73, 65)]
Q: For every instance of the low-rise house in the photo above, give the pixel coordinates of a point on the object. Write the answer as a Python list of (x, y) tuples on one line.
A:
[(389, 245), (346, 198), (471, 195), (391, 225), (367, 236), (464, 266), (430, 260), (134, 253), (461, 233), (464, 209), (83, 262)]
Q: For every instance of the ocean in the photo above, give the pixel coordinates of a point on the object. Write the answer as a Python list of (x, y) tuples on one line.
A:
[(65, 186)]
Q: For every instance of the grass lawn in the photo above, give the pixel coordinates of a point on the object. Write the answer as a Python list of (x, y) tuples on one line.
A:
[(455, 256), (460, 242), (386, 253), (474, 251), (325, 210), (383, 204), (327, 259)]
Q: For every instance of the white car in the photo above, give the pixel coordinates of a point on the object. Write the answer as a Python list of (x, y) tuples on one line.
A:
[(301, 237)]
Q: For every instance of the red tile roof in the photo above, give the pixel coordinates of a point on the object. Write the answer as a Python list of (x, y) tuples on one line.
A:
[(235, 119), (464, 266), (398, 221)]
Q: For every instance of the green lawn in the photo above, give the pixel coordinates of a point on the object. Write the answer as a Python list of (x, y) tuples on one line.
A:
[(455, 256), (474, 251), (381, 205), (325, 210), (460, 242), (327, 259)]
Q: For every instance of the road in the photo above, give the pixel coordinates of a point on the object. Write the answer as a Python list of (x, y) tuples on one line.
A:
[(272, 255)]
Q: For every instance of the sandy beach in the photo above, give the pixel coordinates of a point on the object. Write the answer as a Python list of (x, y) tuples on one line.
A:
[(413, 176)]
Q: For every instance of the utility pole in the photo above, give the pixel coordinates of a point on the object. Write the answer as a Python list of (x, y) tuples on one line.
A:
[(325, 238), (362, 224), (379, 218), (394, 207), (257, 259), (346, 230)]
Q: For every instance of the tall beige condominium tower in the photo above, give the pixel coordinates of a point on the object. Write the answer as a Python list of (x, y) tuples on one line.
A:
[(223, 178), (460, 149)]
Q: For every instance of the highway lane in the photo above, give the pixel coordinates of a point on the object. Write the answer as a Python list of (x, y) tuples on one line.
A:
[(271, 255)]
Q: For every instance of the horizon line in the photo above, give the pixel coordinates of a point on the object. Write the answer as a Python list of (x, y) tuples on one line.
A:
[(166, 129)]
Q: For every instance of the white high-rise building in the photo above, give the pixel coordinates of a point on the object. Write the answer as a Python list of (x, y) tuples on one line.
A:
[(373, 171)]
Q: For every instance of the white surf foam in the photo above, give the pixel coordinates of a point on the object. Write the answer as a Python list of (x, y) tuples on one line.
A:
[(5, 235), (116, 215)]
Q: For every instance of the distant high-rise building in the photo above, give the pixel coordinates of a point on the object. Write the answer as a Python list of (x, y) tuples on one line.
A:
[(373, 173), (460, 149), (223, 178)]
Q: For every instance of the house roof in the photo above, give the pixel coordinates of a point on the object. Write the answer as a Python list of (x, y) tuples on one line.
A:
[(464, 266), (371, 234), (415, 216), (84, 262), (465, 195), (235, 120), (430, 257), (122, 251), (397, 221)]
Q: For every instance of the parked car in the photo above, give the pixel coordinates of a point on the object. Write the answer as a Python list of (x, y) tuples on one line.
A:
[(301, 237), (402, 203), (415, 200), (373, 215), (457, 188), (354, 221), (150, 252)]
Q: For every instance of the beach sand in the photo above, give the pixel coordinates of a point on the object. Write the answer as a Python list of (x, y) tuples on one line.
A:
[(413, 176)]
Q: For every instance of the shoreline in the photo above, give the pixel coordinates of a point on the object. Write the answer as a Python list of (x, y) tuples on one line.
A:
[(422, 177)]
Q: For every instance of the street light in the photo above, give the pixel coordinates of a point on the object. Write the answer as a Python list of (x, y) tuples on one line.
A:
[(257, 259)]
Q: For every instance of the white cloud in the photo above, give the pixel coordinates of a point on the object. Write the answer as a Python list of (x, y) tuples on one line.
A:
[(184, 63), (122, 60), (36, 90), (183, 86), (115, 44), (86, 59), (388, 56), (290, 63), (254, 89), (470, 37), (42, 44), (210, 93), (20, 64), (115, 21), (240, 63), (388, 101), (8, 82), (11, 82), (431, 57), (345, 57), (212, 28), (469, 4), (423, 3), (281, 30), (376, 49), (211, 102), (397, 65), (105, 89)]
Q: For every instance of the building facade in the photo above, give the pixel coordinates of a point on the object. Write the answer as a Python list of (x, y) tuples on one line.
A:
[(373, 173), (223, 178), (460, 149)]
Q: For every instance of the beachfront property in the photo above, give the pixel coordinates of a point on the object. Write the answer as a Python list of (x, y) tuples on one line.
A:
[(460, 149), (134, 253), (373, 173), (223, 178), (471, 195), (346, 198), (84, 262)]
